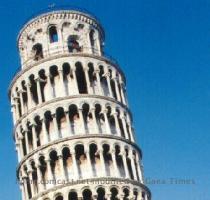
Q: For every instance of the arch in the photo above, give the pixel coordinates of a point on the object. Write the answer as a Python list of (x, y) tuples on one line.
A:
[(81, 159), (101, 193), (53, 34), (73, 44), (59, 197), (95, 158), (126, 194), (81, 80), (67, 162), (37, 51), (72, 196), (87, 194), (74, 118), (114, 193)]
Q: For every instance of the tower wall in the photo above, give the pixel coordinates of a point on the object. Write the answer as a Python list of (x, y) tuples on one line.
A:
[(72, 125)]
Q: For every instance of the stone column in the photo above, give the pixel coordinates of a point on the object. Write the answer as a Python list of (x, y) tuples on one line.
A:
[(96, 128), (68, 122), (87, 80), (102, 162), (62, 170), (23, 192), (139, 168), (109, 84), (44, 128), (117, 124), (125, 127), (34, 136), (25, 187), (82, 122), (55, 125), (89, 162), (20, 137), (17, 144), (131, 156), (17, 109), (49, 172), (76, 90), (13, 110), (123, 154), (97, 71), (21, 102), (39, 94), (117, 89), (62, 86), (49, 88), (76, 172), (39, 179), (30, 171), (108, 130), (26, 132), (30, 102), (122, 91), (116, 171)]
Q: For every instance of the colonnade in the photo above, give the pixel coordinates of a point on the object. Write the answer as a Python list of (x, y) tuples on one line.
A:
[(63, 122), (81, 161), (65, 80)]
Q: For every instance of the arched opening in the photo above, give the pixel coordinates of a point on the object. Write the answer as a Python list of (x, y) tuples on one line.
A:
[(34, 177), (24, 95), (37, 52), (33, 89), (59, 197), (43, 83), (54, 164), (73, 44), (101, 194), (98, 115), (107, 159), (53, 34), (135, 193), (67, 77), (114, 194), (87, 194), (51, 132), (119, 161), (67, 162), (111, 120), (95, 159), (43, 169), (103, 80), (24, 143), (129, 165), (85, 112), (72, 196), (81, 159), (28, 183), (62, 122), (55, 80), (126, 194), (120, 124), (38, 129), (92, 39), (81, 81), (92, 77), (74, 118)]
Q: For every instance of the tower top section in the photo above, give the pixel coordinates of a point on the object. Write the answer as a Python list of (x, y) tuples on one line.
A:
[(59, 31)]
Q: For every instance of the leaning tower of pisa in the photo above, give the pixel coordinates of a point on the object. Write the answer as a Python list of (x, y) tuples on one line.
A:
[(72, 125)]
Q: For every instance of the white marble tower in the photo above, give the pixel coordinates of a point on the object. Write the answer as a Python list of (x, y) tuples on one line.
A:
[(72, 125)]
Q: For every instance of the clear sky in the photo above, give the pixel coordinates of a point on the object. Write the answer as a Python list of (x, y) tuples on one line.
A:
[(163, 46)]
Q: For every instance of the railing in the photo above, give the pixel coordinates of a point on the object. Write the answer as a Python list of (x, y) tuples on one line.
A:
[(60, 50)]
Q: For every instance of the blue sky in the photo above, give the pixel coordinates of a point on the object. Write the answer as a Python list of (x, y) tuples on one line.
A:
[(164, 49)]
